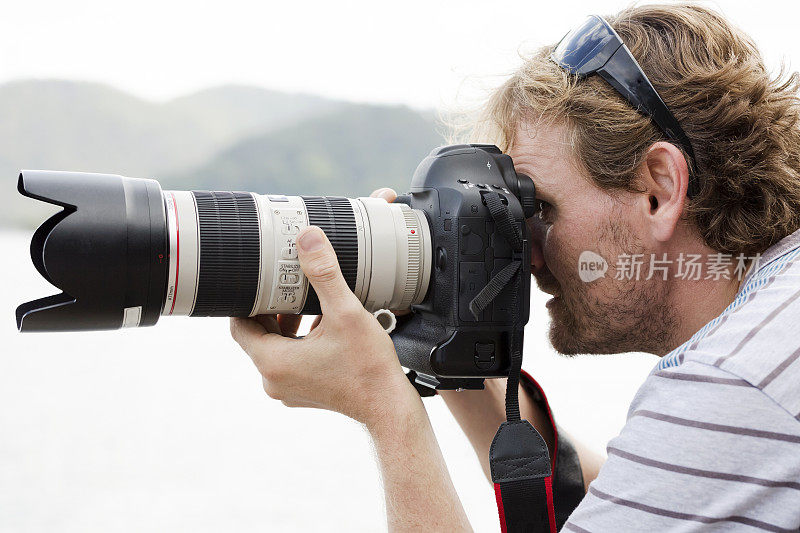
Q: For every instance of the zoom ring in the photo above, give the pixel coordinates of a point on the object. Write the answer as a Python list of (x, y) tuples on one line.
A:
[(229, 253), (334, 214)]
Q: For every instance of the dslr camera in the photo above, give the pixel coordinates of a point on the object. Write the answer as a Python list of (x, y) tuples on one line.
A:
[(454, 250)]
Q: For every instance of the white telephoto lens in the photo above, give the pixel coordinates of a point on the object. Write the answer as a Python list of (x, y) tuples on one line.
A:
[(235, 254)]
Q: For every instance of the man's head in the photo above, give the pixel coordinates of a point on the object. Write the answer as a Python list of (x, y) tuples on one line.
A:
[(612, 185)]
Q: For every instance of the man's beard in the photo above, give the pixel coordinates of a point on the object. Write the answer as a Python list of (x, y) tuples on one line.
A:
[(634, 315)]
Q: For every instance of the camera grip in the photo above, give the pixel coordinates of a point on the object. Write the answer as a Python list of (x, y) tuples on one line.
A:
[(414, 339)]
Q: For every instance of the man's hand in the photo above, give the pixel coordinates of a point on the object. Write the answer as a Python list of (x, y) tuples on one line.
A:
[(347, 363)]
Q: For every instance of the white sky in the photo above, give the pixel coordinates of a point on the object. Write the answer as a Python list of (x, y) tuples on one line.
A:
[(421, 53)]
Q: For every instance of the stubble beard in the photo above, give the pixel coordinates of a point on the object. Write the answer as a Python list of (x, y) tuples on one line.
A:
[(609, 315)]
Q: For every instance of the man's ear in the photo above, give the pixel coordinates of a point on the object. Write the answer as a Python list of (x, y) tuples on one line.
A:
[(663, 179)]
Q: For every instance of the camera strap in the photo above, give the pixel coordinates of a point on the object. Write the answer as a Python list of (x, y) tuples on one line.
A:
[(518, 458)]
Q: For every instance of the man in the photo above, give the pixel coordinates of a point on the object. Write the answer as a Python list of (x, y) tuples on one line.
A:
[(709, 177)]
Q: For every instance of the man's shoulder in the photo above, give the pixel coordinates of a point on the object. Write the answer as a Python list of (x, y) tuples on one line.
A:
[(701, 446), (757, 338), (703, 396)]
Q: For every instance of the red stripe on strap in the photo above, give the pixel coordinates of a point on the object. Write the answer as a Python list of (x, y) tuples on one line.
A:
[(500, 511), (551, 511), (526, 379)]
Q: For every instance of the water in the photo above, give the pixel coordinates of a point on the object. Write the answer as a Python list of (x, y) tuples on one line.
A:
[(168, 429)]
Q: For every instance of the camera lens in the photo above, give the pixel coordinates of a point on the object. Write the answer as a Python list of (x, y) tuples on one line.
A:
[(235, 254), (124, 252)]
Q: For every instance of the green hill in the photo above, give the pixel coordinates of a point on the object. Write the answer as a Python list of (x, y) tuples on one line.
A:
[(351, 152), (232, 112), (230, 137), (87, 126)]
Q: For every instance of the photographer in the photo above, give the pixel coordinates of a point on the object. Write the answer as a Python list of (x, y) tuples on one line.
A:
[(712, 438)]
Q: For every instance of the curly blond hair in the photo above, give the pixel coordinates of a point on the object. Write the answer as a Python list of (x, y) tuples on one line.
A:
[(743, 122)]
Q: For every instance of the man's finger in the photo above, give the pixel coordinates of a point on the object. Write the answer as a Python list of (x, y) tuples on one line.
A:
[(321, 267), (289, 324), (244, 330), (256, 341), (386, 193), (269, 322)]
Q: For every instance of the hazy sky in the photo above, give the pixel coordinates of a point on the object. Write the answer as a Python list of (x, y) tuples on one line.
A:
[(422, 53)]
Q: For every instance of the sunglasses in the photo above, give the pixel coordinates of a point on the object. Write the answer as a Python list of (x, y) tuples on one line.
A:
[(595, 48)]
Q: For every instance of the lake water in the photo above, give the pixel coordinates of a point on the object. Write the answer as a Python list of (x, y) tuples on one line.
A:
[(167, 429)]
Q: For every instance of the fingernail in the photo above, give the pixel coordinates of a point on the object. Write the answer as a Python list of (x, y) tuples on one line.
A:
[(310, 241), (377, 194), (384, 193)]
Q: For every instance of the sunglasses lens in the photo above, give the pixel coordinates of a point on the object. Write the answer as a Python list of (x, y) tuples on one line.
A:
[(579, 47)]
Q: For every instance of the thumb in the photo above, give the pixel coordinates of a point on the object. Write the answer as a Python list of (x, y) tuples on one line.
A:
[(321, 267)]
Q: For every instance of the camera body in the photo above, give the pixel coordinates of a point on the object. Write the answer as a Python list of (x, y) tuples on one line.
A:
[(441, 341)]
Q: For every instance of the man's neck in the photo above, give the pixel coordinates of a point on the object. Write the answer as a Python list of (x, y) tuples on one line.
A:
[(698, 302)]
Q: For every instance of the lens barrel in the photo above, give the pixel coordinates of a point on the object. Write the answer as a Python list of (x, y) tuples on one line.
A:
[(235, 254)]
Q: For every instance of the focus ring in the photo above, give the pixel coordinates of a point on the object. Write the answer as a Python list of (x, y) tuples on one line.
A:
[(229, 253), (334, 214), (414, 262)]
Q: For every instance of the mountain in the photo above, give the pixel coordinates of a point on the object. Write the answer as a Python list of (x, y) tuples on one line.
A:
[(88, 126), (230, 137), (351, 152), (232, 112)]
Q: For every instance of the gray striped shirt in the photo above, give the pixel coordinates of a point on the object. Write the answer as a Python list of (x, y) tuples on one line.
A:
[(712, 441)]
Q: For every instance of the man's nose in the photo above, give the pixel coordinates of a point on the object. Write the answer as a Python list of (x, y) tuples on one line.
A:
[(537, 233)]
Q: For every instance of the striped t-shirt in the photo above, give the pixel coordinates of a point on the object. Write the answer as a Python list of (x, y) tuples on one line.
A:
[(712, 440)]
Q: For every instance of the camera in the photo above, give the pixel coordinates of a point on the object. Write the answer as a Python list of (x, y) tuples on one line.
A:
[(124, 252)]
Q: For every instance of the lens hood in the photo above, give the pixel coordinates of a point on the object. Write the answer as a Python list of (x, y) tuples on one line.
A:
[(106, 250)]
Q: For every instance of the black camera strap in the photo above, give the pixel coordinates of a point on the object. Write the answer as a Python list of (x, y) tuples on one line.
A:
[(518, 458)]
